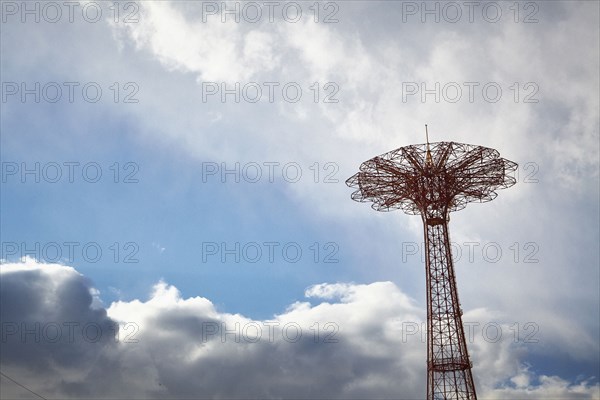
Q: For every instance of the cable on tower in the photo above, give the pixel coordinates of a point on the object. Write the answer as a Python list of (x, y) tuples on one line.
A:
[(21, 385)]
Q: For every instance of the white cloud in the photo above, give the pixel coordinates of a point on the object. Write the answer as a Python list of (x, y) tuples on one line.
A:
[(213, 50), (171, 346), (559, 133)]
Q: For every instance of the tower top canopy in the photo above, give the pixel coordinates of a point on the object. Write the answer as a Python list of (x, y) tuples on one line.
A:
[(443, 175)]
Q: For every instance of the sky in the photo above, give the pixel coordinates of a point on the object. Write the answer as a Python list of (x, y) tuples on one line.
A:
[(175, 222)]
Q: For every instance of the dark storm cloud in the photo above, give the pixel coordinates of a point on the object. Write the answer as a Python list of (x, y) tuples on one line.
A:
[(171, 347)]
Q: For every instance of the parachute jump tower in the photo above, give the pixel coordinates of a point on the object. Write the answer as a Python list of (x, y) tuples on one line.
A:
[(433, 180)]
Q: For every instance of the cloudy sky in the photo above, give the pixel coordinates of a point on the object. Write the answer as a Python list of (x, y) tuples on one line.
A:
[(175, 222)]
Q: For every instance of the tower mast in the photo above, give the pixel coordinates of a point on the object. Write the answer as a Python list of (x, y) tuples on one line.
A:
[(433, 180)]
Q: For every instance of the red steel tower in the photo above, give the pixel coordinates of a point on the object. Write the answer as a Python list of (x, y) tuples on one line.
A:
[(433, 180)]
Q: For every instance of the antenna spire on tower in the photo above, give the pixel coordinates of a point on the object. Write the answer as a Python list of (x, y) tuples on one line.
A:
[(428, 159)]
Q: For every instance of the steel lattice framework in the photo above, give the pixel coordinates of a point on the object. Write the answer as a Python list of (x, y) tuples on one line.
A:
[(433, 180)]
